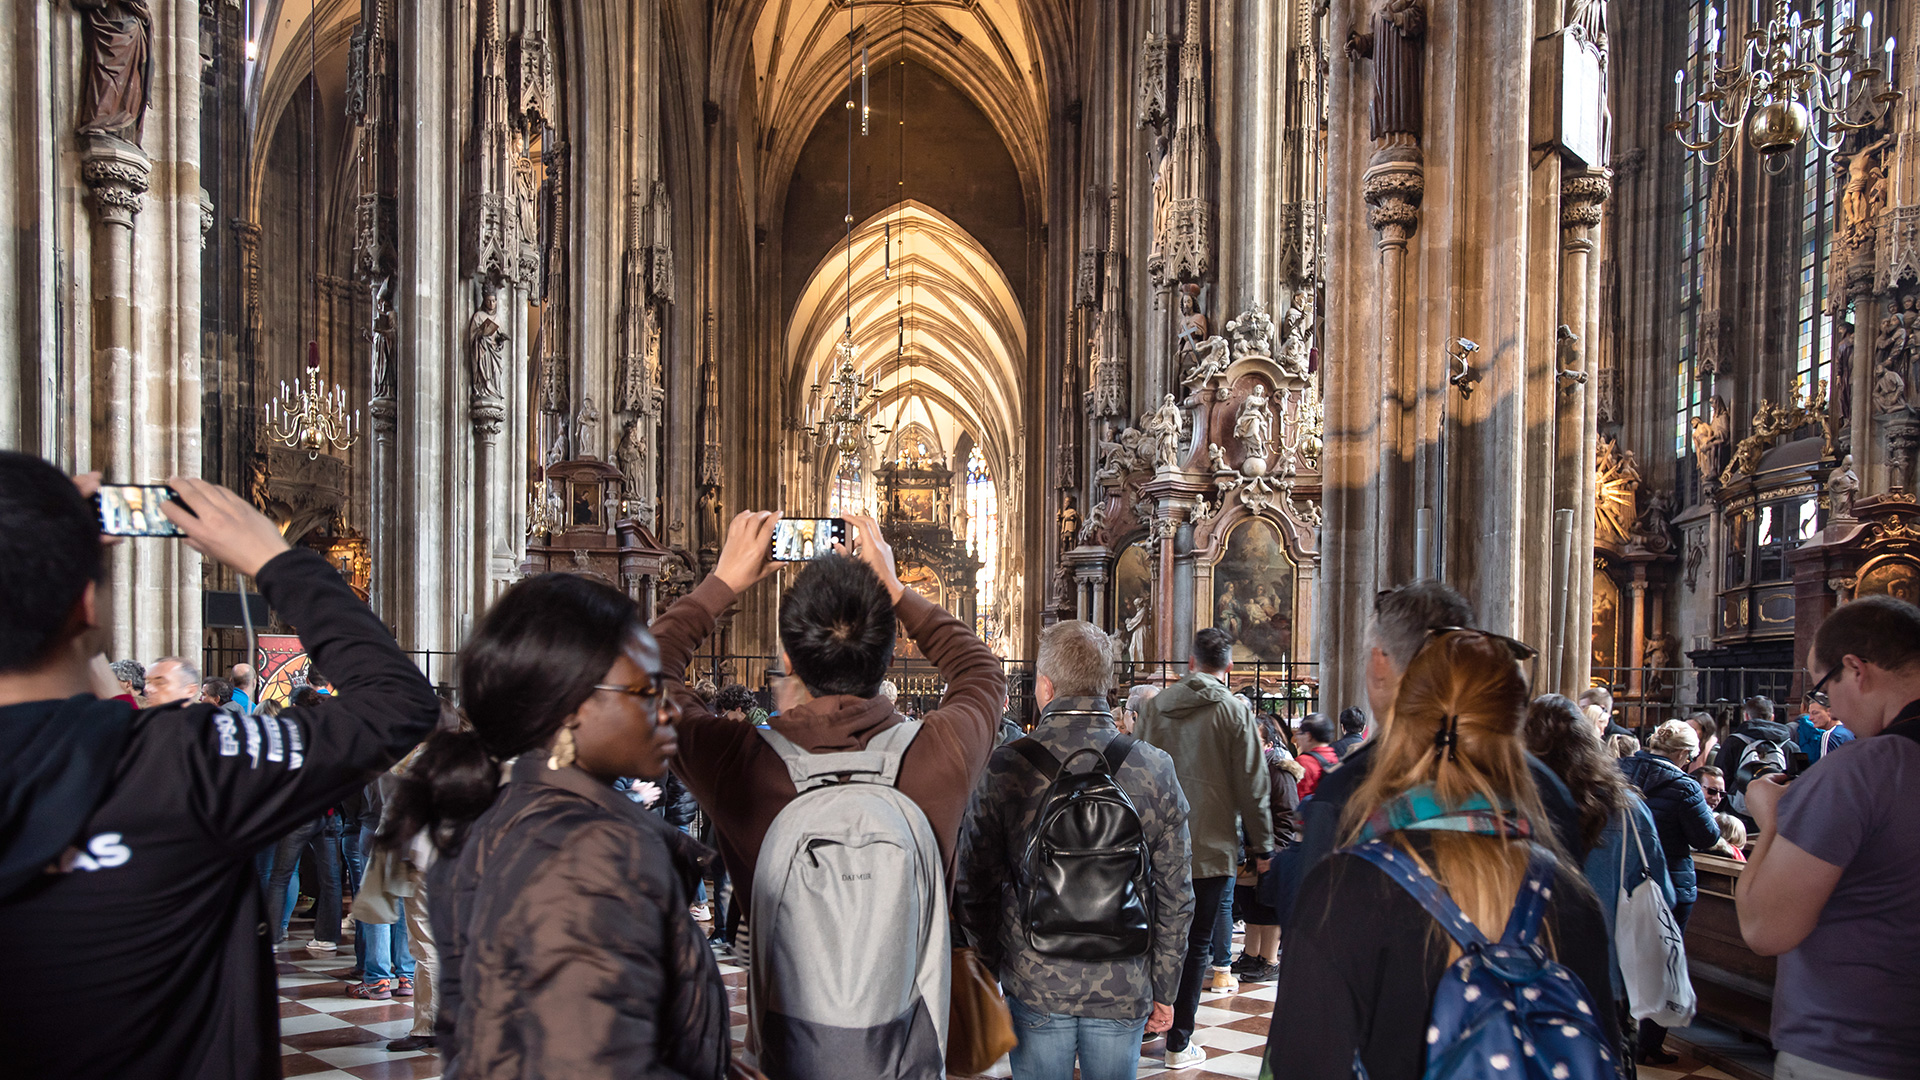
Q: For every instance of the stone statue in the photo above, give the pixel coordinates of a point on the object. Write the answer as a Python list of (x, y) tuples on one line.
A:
[(1210, 359), (1069, 523), (1293, 348), (586, 426), (1126, 453), (1193, 322), (557, 452), (1162, 193), (1889, 390), (1842, 485), (1253, 426), (380, 336), (1895, 342), (1856, 202), (117, 73), (632, 455), (1096, 524), (1394, 46), (1136, 631), (1841, 399), (1165, 425), (526, 200), (1710, 441), (486, 346), (1217, 458), (1652, 529), (1252, 333)]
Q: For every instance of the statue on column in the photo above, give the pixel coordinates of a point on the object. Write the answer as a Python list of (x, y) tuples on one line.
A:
[(1842, 485), (1069, 523), (1841, 398), (1165, 426), (1136, 630), (1710, 440), (1253, 426), (1293, 358), (586, 424), (486, 346), (380, 336), (117, 73), (632, 455), (1394, 45), (1162, 196)]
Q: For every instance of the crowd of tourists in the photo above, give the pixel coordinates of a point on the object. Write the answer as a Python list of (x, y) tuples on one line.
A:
[(1459, 879)]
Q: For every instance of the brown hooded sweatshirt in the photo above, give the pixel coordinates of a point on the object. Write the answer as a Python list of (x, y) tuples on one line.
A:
[(741, 782)]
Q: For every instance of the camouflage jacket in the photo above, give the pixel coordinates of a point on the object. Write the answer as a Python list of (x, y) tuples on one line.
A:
[(986, 896)]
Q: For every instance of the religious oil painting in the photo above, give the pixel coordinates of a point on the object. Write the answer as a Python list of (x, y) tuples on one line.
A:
[(1253, 593), (1896, 576)]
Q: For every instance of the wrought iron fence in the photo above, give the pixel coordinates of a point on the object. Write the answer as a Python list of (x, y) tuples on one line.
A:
[(437, 665), (1644, 697)]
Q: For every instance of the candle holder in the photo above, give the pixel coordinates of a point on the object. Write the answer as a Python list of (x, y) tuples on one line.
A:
[(312, 416), (1783, 85)]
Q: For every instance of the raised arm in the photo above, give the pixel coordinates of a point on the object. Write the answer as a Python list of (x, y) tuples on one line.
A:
[(257, 776)]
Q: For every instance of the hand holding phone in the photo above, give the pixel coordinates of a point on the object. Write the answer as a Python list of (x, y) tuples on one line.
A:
[(134, 509), (806, 539)]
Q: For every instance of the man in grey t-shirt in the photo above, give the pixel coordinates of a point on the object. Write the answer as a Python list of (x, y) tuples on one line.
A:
[(1834, 874)]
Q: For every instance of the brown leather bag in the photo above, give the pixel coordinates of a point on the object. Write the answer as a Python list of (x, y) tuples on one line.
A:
[(979, 1027)]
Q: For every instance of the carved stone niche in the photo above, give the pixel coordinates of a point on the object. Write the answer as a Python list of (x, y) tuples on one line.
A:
[(597, 535)]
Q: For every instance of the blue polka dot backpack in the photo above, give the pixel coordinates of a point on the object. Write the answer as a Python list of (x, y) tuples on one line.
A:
[(1505, 1010)]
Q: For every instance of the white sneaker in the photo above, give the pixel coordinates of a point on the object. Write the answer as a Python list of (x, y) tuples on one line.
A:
[(1186, 1059), (323, 948), (701, 913)]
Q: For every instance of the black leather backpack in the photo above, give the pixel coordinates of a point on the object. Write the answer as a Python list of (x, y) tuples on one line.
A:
[(1083, 886)]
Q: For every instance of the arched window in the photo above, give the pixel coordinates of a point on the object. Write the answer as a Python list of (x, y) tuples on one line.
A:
[(1696, 182), (983, 535), (849, 489)]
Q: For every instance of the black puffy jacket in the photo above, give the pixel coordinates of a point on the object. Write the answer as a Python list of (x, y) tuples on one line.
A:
[(1680, 814)]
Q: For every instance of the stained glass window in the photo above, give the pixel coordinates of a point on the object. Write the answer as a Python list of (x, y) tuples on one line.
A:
[(983, 536)]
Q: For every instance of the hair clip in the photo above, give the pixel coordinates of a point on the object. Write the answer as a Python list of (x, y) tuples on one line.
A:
[(1448, 737)]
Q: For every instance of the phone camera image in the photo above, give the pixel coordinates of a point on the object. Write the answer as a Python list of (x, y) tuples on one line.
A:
[(806, 539), (134, 510)]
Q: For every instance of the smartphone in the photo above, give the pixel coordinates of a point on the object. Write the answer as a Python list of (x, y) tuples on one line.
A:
[(802, 539), (134, 509)]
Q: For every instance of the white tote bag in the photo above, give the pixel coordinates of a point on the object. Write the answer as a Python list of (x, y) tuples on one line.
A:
[(1653, 956)]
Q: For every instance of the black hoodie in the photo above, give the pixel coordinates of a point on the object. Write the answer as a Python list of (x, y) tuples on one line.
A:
[(148, 956)]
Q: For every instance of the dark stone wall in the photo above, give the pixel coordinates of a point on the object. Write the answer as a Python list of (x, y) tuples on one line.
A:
[(955, 163)]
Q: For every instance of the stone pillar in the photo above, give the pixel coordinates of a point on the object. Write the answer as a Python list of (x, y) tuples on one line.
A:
[(1394, 184), (1576, 393), (1637, 631)]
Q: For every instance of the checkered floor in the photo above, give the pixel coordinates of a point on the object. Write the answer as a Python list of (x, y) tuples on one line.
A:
[(326, 1035)]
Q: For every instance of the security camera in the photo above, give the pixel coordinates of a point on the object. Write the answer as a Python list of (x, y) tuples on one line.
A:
[(1468, 344), (1570, 377)]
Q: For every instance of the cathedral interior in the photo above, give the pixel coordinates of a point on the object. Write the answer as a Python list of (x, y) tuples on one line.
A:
[(1164, 314)]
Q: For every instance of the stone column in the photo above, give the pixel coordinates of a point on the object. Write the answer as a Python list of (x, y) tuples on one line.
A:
[(1582, 195), (1394, 185), (1637, 631)]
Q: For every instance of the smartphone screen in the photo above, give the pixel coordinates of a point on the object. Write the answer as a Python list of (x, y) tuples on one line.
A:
[(134, 510), (803, 539)]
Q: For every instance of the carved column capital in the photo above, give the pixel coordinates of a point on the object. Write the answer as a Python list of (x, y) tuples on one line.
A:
[(1581, 196), (1393, 187), (488, 414), (1903, 438), (116, 172)]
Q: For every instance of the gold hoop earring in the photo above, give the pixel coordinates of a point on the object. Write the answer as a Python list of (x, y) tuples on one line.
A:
[(563, 750)]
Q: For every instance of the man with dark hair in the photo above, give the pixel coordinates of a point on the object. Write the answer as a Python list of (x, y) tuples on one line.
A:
[(216, 691), (1063, 1006), (1760, 742), (125, 868), (1353, 731), (836, 637), (1209, 733), (1830, 885)]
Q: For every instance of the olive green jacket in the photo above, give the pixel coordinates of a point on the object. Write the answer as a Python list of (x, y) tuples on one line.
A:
[(1210, 735)]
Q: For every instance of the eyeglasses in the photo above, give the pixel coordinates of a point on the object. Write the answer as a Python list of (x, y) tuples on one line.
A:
[(649, 693), (1815, 695)]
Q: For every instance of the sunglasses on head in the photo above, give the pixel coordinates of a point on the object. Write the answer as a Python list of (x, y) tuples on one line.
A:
[(1520, 649)]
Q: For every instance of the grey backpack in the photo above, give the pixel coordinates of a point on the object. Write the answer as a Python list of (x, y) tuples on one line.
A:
[(849, 923)]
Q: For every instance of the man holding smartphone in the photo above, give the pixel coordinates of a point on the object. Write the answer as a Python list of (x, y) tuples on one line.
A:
[(130, 912)]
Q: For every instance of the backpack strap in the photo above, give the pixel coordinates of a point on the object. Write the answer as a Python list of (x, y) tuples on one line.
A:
[(1117, 752), (1038, 756), (1404, 872), (1530, 907), (879, 763)]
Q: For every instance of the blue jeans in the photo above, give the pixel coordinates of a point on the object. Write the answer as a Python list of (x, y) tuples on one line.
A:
[(324, 834), (700, 883), (382, 949), (1223, 931), (1048, 1043)]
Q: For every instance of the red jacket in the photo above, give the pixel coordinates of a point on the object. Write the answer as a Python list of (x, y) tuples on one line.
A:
[(1316, 762), (740, 780)]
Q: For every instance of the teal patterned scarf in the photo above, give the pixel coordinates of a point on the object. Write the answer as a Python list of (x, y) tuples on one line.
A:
[(1421, 808)]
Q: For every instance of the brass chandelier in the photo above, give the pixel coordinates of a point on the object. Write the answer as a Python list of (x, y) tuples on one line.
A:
[(841, 423), (1780, 80)]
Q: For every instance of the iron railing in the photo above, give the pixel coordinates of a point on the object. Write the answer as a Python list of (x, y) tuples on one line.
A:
[(1644, 697)]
